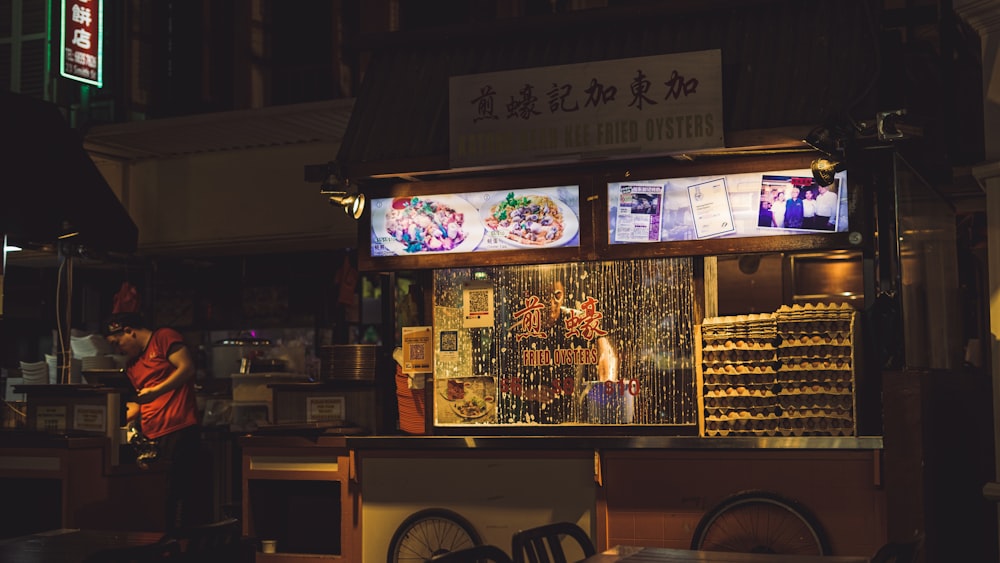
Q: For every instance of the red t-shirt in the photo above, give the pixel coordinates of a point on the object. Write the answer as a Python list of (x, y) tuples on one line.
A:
[(173, 410)]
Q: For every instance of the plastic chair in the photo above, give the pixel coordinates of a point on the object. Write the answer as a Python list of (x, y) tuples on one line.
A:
[(899, 552), (543, 544), (163, 550), (475, 554)]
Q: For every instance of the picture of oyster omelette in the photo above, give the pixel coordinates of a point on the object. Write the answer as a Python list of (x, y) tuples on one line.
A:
[(530, 219), (422, 225)]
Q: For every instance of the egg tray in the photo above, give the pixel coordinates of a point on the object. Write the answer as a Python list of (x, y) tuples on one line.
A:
[(762, 355), (762, 378), (778, 433)]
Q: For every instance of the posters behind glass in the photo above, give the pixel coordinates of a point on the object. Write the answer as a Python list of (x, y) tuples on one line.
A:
[(784, 202)]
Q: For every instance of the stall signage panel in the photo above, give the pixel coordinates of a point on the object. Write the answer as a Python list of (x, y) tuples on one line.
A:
[(530, 219), (50, 418), (81, 51), (324, 409), (644, 105), (785, 202), (92, 418)]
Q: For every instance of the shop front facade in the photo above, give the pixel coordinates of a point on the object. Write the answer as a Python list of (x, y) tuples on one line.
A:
[(615, 288)]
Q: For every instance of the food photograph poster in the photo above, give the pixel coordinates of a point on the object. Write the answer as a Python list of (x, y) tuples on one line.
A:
[(785, 202), (536, 218)]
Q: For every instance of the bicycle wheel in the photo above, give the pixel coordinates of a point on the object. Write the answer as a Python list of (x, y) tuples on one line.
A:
[(760, 522), (431, 532)]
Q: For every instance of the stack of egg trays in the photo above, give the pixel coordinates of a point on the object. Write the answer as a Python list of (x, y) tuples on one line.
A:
[(739, 357), (815, 378)]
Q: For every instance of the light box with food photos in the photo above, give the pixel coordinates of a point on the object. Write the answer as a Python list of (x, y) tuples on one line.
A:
[(783, 202), (498, 220)]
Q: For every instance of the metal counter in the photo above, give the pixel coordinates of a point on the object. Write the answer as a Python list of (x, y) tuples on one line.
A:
[(611, 443)]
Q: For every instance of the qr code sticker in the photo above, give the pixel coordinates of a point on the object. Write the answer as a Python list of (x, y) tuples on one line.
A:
[(416, 351), (449, 341), (479, 301)]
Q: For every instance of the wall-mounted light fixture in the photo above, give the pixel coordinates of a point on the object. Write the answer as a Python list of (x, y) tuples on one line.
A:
[(825, 169), (833, 138), (353, 204), (337, 186)]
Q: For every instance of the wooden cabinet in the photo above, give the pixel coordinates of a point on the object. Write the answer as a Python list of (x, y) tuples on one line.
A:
[(298, 491)]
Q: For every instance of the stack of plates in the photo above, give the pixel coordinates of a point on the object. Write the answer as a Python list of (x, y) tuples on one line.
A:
[(348, 361), (75, 366), (89, 345), (97, 362), (35, 373)]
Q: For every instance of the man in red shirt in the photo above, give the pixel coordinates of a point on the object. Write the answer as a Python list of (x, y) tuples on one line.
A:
[(162, 372)]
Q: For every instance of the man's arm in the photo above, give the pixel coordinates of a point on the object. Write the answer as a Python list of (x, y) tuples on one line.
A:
[(180, 358)]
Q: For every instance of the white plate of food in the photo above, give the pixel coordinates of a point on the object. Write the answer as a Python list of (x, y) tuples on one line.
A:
[(531, 220), (427, 225), (471, 407)]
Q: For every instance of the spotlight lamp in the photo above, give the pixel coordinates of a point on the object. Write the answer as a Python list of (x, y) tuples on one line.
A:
[(336, 188), (824, 170), (353, 204)]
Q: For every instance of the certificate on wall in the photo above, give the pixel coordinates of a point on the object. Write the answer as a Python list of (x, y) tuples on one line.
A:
[(713, 216)]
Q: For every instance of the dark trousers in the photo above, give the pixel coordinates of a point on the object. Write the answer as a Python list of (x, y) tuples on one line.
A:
[(180, 450)]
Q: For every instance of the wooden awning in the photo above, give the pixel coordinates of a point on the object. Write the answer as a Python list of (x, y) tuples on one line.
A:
[(788, 66), (49, 186)]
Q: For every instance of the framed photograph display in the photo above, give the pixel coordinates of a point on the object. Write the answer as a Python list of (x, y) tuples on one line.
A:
[(774, 203)]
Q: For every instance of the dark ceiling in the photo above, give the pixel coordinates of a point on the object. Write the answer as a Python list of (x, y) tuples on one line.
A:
[(786, 64)]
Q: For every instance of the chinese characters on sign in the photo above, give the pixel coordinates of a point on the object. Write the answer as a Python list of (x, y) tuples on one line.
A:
[(81, 55), (644, 105)]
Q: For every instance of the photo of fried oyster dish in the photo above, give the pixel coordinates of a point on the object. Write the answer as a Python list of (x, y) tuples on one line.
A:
[(533, 219), (425, 225), (472, 406)]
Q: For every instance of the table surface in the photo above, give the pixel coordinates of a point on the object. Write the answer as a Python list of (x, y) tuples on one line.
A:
[(634, 554), (68, 545)]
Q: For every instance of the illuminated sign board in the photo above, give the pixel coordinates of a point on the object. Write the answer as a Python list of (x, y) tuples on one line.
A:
[(523, 219), (786, 202), (81, 51)]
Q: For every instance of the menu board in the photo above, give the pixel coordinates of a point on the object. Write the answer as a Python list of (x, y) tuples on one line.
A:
[(784, 202), (523, 219)]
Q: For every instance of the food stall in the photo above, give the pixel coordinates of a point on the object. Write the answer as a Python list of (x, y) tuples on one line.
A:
[(621, 330)]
